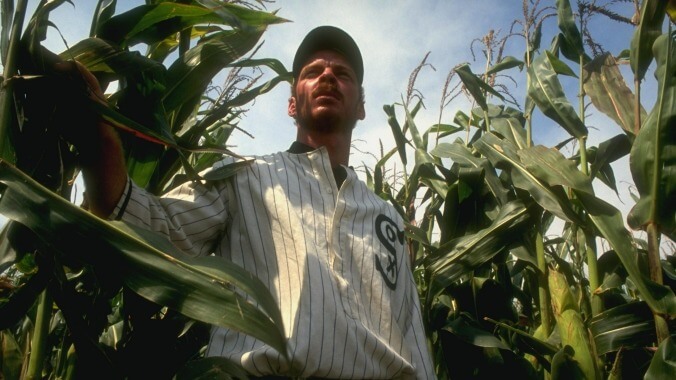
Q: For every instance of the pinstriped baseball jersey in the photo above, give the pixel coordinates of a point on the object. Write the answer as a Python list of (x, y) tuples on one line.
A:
[(333, 258)]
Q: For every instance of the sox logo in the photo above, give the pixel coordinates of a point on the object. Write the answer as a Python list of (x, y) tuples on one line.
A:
[(389, 234)]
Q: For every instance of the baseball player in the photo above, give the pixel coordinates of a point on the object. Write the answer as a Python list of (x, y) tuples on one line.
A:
[(331, 252)]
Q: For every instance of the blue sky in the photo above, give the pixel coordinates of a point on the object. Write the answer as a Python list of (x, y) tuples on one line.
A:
[(394, 37)]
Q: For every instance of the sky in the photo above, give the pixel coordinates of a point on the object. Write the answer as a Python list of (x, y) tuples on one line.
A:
[(394, 37)]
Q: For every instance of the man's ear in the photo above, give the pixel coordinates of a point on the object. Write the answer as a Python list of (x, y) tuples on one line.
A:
[(361, 111), (291, 109)]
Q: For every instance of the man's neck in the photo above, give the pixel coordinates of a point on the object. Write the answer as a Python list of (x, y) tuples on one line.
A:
[(337, 144)]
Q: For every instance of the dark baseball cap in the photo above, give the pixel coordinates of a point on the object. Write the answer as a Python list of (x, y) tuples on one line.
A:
[(329, 38)]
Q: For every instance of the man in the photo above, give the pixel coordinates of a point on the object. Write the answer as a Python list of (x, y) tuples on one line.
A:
[(331, 252)]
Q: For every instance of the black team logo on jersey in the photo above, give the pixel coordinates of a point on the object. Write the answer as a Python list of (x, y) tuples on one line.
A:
[(389, 235)]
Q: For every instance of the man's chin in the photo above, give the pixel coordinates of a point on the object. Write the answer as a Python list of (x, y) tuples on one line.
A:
[(325, 123)]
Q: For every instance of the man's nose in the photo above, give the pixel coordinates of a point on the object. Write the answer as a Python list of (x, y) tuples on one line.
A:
[(328, 75)]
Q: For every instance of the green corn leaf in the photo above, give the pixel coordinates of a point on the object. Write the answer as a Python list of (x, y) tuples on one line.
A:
[(509, 123), (424, 163), (547, 93), (189, 76), (409, 125), (559, 66), (650, 27), (569, 30), (462, 156), (503, 155), (240, 16), (378, 185), (462, 119), (476, 86), (461, 255), (469, 333), (631, 325), (608, 152), (608, 221), (441, 130), (550, 166), (505, 64), (105, 9), (604, 84), (151, 24), (561, 46), (656, 141), (397, 132), (147, 263), (663, 364)]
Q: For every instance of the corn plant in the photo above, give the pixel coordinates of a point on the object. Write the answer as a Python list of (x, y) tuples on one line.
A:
[(87, 298), (501, 293)]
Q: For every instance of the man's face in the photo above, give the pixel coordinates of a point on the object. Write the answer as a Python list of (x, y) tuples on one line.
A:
[(327, 94)]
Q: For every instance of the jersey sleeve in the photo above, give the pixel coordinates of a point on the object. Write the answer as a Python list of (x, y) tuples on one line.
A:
[(192, 216)]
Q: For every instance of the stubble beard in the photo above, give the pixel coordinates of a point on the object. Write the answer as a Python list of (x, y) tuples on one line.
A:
[(325, 124)]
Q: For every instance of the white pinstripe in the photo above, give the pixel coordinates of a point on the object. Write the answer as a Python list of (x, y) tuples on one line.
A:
[(316, 247)]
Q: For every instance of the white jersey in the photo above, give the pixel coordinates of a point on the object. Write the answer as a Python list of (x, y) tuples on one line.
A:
[(335, 260)]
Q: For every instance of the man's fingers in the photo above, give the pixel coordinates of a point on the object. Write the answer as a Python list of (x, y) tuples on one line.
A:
[(78, 71)]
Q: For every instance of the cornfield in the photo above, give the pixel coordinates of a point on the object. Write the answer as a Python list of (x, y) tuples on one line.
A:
[(501, 294)]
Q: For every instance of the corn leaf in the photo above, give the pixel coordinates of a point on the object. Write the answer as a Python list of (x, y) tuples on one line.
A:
[(503, 155), (200, 288), (477, 87), (608, 152), (570, 32), (409, 125), (608, 221), (397, 132), (505, 64), (657, 141), (650, 27), (550, 166), (189, 76), (441, 130), (663, 363), (462, 156), (105, 9), (151, 24), (547, 93), (462, 119), (469, 333), (509, 123), (424, 164), (605, 85), (100, 56), (631, 325), (461, 255), (239, 16)]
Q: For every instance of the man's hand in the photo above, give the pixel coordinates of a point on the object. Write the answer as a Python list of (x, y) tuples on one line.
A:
[(101, 156), (77, 121)]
